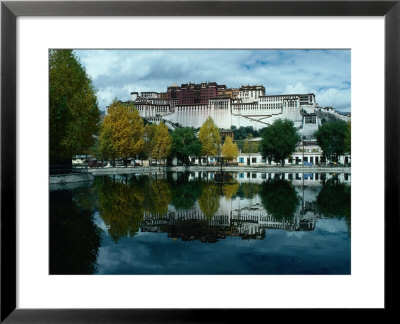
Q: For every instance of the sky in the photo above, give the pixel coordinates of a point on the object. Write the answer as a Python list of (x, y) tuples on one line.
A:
[(326, 73)]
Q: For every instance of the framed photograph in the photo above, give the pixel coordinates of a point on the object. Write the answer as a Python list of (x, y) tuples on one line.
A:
[(193, 160)]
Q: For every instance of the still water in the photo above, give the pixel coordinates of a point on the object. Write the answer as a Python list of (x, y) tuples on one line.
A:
[(196, 223)]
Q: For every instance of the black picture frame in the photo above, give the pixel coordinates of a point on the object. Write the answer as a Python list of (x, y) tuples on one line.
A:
[(10, 10)]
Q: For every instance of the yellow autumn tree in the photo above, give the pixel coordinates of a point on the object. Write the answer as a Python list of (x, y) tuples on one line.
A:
[(230, 150), (121, 132), (209, 138), (161, 142)]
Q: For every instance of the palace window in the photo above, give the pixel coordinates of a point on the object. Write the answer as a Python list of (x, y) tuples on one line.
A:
[(310, 119)]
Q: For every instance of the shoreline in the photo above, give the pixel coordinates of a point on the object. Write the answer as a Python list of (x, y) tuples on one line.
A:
[(78, 180), (70, 181), (267, 169)]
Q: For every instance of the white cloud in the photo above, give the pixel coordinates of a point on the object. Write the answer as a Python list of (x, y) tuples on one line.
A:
[(326, 73), (299, 87)]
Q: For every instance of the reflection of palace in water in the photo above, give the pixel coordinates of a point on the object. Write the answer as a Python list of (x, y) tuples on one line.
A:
[(245, 218), (237, 208), (296, 178), (247, 223)]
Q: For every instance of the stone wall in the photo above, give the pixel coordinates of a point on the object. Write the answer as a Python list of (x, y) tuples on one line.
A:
[(70, 178)]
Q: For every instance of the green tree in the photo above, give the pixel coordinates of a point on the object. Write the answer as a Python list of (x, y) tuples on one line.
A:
[(243, 132), (331, 137), (246, 147), (347, 140), (279, 198), (210, 138), (250, 146), (185, 144), (74, 115), (230, 150), (161, 142), (279, 140), (122, 132)]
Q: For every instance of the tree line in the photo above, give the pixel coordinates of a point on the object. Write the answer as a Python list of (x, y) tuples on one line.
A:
[(124, 135)]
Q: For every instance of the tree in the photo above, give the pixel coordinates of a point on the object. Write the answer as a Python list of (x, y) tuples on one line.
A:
[(210, 138), (347, 140), (135, 144), (230, 150), (331, 136), (121, 132), (74, 115), (185, 144), (246, 147), (279, 140), (107, 143), (250, 146), (149, 133), (161, 142), (243, 132)]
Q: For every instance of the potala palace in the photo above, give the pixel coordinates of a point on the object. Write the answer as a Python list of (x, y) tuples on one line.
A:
[(191, 104)]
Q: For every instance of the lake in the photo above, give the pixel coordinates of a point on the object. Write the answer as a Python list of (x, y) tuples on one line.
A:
[(202, 223)]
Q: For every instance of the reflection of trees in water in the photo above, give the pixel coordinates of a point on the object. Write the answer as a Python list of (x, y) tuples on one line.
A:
[(121, 207), (123, 201), (74, 238), (160, 196), (248, 190), (185, 195), (184, 192), (209, 199), (230, 189), (279, 198), (334, 200)]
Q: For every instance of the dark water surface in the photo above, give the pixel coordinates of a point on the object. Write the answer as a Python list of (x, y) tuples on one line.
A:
[(200, 223)]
